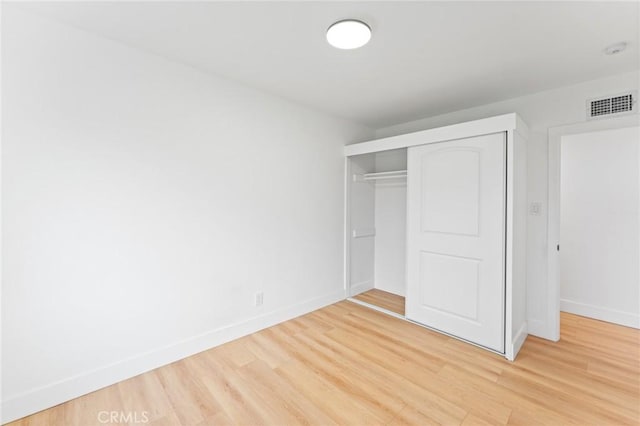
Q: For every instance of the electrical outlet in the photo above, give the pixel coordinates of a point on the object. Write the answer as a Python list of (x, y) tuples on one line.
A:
[(259, 299)]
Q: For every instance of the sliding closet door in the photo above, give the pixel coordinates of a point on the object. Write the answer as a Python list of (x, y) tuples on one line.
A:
[(456, 238)]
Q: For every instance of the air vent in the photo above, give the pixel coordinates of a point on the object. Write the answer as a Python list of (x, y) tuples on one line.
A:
[(612, 105)]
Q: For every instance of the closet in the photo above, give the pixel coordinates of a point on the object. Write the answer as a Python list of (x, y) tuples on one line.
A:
[(436, 229), (378, 228)]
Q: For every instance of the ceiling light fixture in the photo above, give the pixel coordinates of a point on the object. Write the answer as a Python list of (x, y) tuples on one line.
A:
[(348, 34), (615, 48)]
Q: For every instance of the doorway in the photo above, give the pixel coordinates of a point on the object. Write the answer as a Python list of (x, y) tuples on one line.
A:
[(600, 225), (594, 225)]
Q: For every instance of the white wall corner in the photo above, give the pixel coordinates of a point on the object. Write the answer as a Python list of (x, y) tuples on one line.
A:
[(361, 287), (539, 328)]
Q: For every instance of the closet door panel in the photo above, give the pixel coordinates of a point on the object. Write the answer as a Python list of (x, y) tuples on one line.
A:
[(456, 238), (450, 195)]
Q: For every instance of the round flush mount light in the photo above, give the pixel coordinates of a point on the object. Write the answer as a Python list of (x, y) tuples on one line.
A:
[(614, 49), (348, 34)]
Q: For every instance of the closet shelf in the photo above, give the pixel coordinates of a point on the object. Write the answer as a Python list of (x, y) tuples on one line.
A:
[(397, 174)]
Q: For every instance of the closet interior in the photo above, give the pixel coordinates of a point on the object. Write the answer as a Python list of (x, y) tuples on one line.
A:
[(378, 213)]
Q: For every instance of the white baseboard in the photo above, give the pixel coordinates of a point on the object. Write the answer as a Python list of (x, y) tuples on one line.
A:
[(360, 287), (517, 342), (627, 319), (56, 393)]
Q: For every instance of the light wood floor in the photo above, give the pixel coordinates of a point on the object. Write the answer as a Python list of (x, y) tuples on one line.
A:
[(383, 299), (349, 365)]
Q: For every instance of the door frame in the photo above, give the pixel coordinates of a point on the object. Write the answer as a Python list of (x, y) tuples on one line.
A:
[(555, 136)]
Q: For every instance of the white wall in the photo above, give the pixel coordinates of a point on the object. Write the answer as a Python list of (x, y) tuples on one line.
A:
[(540, 111), (144, 204), (600, 225), (361, 236), (391, 224), (391, 237)]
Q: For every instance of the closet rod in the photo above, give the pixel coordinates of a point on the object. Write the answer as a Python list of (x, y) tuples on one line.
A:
[(385, 175)]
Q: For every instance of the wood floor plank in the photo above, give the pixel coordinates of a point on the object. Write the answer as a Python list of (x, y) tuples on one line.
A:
[(383, 299), (282, 393), (89, 410), (189, 397), (349, 365), (432, 406), (332, 370), (411, 416), (145, 394), (330, 399)]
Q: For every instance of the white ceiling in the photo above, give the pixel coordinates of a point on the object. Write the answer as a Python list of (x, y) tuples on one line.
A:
[(424, 59)]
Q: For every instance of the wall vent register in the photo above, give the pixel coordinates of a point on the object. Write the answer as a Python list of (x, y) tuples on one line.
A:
[(612, 105)]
